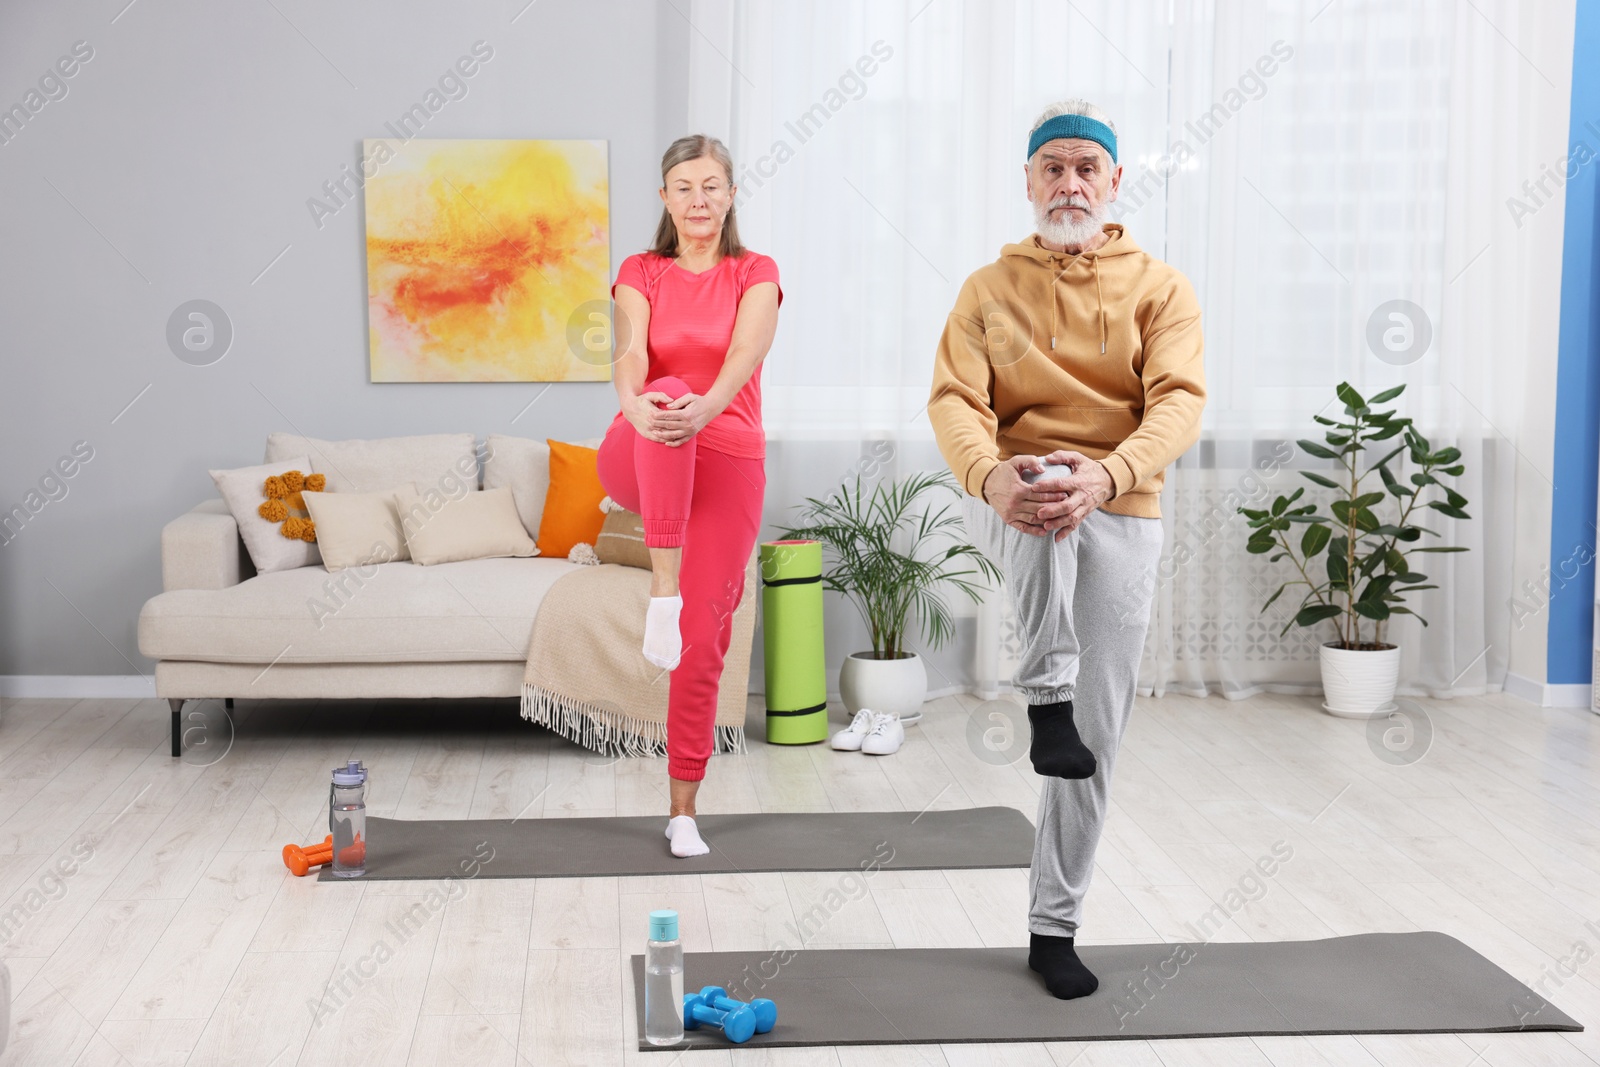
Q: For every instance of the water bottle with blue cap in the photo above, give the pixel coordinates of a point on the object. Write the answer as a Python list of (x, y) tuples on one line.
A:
[(663, 980)]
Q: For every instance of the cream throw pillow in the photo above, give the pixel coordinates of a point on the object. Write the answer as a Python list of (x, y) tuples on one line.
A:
[(473, 526), (358, 529), (243, 490)]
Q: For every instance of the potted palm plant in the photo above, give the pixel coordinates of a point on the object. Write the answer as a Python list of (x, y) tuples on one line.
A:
[(858, 533), (1364, 574)]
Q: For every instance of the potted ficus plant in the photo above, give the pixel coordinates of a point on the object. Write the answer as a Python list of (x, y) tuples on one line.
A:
[(1351, 559), (858, 533)]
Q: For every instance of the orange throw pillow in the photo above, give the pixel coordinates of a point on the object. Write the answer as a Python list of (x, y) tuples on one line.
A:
[(572, 506)]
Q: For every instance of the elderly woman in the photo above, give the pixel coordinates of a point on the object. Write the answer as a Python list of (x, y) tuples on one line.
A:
[(698, 313)]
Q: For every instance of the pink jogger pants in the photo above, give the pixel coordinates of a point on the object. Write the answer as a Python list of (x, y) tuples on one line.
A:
[(709, 503)]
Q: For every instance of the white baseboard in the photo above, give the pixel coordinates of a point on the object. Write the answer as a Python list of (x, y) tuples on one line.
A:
[(1524, 688), (76, 686), (835, 698), (1569, 696), (1549, 696)]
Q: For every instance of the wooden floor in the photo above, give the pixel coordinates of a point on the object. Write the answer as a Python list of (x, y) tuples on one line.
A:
[(178, 937)]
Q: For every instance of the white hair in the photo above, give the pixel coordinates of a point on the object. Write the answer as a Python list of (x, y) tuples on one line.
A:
[(1074, 106)]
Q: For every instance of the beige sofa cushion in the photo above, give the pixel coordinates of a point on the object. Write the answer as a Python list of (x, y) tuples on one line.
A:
[(473, 610), (358, 529), (475, 526), (522, 464), (446, 461)]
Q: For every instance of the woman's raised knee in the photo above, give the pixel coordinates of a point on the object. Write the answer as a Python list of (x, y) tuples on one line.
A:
[(669, 384)]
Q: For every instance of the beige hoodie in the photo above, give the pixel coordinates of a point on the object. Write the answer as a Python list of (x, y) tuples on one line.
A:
[(1098, 352)]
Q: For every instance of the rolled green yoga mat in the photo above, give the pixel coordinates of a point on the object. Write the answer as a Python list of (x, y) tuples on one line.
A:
[(797, 673)]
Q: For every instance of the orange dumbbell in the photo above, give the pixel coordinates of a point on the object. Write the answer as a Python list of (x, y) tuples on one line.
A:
[(353, 854), (301, 860)]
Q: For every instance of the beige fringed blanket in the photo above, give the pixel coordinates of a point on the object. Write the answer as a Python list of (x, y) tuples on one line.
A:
[(587, 679)]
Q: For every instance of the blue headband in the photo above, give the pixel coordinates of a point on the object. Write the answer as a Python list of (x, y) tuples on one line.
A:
[(1074, 126)]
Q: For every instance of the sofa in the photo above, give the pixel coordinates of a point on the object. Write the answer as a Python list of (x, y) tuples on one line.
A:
[(394, 630)]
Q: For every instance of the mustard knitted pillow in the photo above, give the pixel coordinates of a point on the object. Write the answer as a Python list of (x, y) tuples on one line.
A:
[(286, 504), (244, 489)]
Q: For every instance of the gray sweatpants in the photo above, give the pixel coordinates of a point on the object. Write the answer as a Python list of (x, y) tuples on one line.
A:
[(1082, 607)]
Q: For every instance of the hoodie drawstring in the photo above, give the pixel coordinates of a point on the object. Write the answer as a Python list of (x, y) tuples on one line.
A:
[(1100, 303)]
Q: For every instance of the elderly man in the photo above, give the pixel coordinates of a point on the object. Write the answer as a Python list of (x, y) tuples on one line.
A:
[(1075, 349)]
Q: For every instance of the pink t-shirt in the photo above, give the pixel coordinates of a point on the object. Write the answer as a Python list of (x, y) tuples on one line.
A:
[(691, 325)]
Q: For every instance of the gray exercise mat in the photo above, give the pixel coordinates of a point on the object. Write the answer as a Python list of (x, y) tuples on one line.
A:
[(1403, 983), (779, 841)]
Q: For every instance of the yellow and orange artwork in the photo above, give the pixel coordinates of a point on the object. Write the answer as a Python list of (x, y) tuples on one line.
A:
[(487, 261)]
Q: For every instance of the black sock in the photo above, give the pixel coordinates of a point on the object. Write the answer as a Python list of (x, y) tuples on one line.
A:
[(1065, 976), (1056, 749)]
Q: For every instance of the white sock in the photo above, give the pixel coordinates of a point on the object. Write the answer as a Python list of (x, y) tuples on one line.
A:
[(685, 837), (662, 643)]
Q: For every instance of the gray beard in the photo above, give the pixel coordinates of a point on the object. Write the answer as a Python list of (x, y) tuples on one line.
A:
[(1065, 231)]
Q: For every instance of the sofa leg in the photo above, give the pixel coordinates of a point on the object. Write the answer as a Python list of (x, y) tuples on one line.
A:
[(177, 727), (227, 702)]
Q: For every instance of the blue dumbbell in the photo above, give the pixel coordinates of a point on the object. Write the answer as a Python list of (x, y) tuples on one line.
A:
[(766, 1011), (737, 1025)]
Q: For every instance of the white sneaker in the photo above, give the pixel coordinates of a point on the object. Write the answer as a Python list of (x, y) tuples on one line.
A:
[(849, 739), (886, 735)]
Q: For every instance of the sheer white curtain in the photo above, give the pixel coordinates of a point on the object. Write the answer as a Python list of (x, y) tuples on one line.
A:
[(879, 151), (1355, 173)]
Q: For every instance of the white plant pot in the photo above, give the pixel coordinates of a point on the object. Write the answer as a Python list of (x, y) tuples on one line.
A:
[(897, 685), (1359, 684)]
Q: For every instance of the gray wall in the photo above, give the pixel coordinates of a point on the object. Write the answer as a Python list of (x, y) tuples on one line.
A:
[(176, 167)]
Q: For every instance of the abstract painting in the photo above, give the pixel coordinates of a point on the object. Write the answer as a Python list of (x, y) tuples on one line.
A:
[(488, 261)]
